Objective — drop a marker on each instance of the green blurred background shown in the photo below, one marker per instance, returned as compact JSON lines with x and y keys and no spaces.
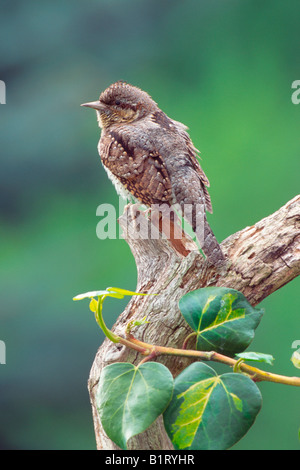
{"x":225,"y":69}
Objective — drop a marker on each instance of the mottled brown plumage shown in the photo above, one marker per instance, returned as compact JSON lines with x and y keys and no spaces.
{"x":151,"y":157}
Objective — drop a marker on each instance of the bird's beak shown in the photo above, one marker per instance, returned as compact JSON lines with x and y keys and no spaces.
{"x":94,"y":105}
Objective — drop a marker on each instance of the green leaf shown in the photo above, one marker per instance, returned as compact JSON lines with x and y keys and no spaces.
{"x":89,"y":295}
{"x":96,"y":305}
{"x":210,"y":411}
{"x":143,"y":321}
{"x":108,"y":292}
{"x":296,"y":359}
{"x":123,"y":292}
{"x":256,"y":357}
{"x":93,"y":305}
{"x":223,"y":319}
{"x":134,"y":323}
{"x":130,"y":398}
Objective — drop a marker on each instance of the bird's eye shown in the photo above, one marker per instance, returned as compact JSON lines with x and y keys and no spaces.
{"x":117,"y":102}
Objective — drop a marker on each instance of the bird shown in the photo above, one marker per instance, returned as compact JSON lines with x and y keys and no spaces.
{"x":151,"y":158}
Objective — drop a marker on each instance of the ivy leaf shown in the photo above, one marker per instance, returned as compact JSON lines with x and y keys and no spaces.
{"x":96,"y":305}
{"x":296,"y":359}
{"x":223,"y":319}
{"x":123,"y":292}
{"x":134,"y":323}
{"x":210,"y":411}
{"x":143,"y":321}
{"x":91,"y":294}
{"x":130,"y":398}
{"x":256,"y":357}
{"x":108,"y":292}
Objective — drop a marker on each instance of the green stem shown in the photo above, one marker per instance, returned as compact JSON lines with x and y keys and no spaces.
{"x":256,"y":374}
{"x":184,"y":345}
{"x":152,"y":355}
{"x":99,"y":319}
{"x":236,"y":367}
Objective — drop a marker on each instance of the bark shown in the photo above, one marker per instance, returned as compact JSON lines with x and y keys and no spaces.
{"x":261,"y":259}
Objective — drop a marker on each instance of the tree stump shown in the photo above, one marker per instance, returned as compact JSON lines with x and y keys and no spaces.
{"x":261,"y":259}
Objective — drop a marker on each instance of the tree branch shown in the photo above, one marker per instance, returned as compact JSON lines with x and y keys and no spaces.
{"x":261,"y":259}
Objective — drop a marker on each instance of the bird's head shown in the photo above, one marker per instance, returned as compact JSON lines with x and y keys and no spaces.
{"x":122,"y":103}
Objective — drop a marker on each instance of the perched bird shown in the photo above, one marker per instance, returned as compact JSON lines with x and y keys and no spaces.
{"x":151,"y":157}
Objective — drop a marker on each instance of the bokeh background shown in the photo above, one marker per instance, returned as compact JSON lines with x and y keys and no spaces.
{"x":223,"y":68}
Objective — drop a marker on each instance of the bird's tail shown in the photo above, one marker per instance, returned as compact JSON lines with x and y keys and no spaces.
{"x":211,"y":247}
{"x":196,"y":217}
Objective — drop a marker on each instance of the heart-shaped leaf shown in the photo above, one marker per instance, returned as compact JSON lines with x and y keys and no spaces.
{"x":256,"y":357}
{"x":296,"y":359}
{"x":130,"y":398}
{"x":210,"y":411}
{"x":223,"y":319}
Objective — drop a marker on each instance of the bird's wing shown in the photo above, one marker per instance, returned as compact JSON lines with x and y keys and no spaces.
{"x":192,"y":153}
{"x":203,"y":178}
{"x":168,"y":124}
{"x":140,"y":171}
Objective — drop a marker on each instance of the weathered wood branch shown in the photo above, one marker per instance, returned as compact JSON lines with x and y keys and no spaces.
{"x":261,"y":259}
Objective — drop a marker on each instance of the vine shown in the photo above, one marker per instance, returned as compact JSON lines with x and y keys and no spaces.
{"x":201,"y":409}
